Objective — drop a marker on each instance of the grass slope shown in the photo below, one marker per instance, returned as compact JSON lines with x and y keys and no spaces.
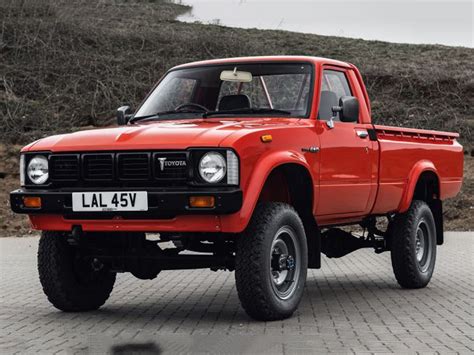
{"x":68,"y":64}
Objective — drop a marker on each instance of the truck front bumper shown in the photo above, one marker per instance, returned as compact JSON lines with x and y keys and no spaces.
{"x":162,"y":204}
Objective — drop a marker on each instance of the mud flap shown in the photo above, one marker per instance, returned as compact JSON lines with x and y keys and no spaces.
{"x":436,"y":207}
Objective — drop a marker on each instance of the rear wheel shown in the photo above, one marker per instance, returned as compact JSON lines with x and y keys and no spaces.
{"x":271,"y":262}
{"x":413,"y":246}
{"x":71,"y":282}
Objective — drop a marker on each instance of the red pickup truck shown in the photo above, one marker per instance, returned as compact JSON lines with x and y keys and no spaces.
{"x":252,"y":164}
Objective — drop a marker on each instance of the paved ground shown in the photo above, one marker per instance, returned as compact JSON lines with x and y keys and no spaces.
{"x":352,"y":304}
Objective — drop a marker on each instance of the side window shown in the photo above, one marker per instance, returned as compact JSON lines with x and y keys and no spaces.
{"x":334,"y":86}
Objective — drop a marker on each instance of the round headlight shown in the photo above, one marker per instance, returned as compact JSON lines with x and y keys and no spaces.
{"x":212,"y":167}
{"x":37,"y":170}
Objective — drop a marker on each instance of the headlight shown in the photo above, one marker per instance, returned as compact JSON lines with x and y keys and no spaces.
{"x":212,"y":167}
{"x":37,"y":170}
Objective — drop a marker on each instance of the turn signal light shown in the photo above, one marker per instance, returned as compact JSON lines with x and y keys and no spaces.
{"x":202,"y":201}
{"x":32,"y":202}
{"x":267,"y":138}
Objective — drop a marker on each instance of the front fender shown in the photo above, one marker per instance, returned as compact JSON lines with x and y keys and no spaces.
{"x":419,"y":168}
{"x":263,"y":167}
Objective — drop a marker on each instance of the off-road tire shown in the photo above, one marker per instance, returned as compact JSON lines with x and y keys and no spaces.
{"x":409,"y":271}
{"x":253,"y":262}
{"x":67,"y":288}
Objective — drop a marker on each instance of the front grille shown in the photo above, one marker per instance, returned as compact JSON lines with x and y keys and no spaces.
{"x":134,"y":166}
{"x":64,"y":167}
{"x":120,"y":169}
{"x":98,"y":167}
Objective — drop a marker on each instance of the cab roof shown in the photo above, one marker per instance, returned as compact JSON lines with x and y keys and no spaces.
{"x":265,"y":59}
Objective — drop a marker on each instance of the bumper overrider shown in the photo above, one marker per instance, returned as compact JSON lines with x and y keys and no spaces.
{"x":162,"y":204}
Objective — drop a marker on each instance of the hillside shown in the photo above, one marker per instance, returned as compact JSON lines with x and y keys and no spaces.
{"x":66,"y":65}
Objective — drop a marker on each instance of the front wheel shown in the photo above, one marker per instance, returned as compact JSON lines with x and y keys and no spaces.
{"x":70,"y":281}
{"x":271,"y":262}
{"x":413,"y":246}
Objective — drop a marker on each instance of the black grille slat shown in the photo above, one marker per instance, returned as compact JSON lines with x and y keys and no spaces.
{"x":134,"y":166}
{"x":64,"y":167}
{"x":98,"y":167}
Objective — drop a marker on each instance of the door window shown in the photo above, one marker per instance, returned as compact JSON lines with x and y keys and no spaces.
{"x":334,"y":86}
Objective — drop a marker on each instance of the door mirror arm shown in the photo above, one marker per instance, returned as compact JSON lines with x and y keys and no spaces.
{"x":335,"y":111}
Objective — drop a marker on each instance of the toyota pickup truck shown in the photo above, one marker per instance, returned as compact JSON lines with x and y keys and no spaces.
{"x":250,"y":165}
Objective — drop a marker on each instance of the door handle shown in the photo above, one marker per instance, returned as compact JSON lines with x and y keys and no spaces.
{"x":310,"y":150}
{"x":362,"y":134}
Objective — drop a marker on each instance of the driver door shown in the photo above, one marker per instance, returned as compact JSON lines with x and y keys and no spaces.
{"x":346,"y":153}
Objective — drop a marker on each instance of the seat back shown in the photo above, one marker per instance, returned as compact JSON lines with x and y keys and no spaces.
{"x":234,"y":102}
{"x":328,"y":100}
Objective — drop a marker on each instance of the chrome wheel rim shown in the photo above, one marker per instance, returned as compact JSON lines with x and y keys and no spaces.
{"x":285,"y":259}
{"x":423,"y":245}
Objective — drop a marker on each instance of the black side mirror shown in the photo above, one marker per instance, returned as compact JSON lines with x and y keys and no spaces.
{"x":123,"y":115}
{"x":349,"y":111}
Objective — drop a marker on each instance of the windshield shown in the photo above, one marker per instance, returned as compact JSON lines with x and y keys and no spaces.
{"x":278,"y":89}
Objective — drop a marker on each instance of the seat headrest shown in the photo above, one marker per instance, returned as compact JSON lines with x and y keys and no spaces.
{"x":234,"y":102}
{"x":328,"y":100}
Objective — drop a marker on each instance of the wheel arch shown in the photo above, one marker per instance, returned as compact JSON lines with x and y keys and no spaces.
{"x":266,"y":168}
{"x":422,"y":172}
{"x":424,"y":184}
{"x":292,"y":183}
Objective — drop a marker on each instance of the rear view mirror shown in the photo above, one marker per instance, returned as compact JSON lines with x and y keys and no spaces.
{"x":123,"y":115}
{"x":236,"y":76}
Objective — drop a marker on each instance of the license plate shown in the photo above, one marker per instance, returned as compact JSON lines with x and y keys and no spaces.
{"x":109,"y":201}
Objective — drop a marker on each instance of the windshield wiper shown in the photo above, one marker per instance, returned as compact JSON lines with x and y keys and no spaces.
{"x":247,"y":110}
{"x":213,"y":113}
{"x":159,"y":114}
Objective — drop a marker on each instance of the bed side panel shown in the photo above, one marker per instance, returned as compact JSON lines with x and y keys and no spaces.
{"x":401,"y":151}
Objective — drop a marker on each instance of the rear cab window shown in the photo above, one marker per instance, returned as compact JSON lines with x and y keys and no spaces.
{"x":289,"y":92}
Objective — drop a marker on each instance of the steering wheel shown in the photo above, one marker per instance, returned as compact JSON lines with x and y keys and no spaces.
{"x":191,"y":105}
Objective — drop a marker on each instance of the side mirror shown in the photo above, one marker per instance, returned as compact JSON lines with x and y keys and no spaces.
{"x":349,"y":109}
{"x":123,"y":115}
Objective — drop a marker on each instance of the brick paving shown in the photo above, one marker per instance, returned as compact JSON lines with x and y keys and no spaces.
{"x":351,"y":305}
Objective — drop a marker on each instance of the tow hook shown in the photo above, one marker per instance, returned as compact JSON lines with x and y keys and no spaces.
{"x":281,"y":262}
{"x":76,"y":235}
{"x":97,"y":264}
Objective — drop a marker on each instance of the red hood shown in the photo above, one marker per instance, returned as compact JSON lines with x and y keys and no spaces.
{"x":176,"y":134}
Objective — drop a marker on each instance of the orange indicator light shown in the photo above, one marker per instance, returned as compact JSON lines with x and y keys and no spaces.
{"x":32,"y":202}
{"x":202,"y":201}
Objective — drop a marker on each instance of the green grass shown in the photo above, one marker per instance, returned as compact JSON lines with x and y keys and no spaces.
{"x":68,"y":64}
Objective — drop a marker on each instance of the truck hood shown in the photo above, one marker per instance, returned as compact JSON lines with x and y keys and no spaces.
{"x":175,"y":134}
